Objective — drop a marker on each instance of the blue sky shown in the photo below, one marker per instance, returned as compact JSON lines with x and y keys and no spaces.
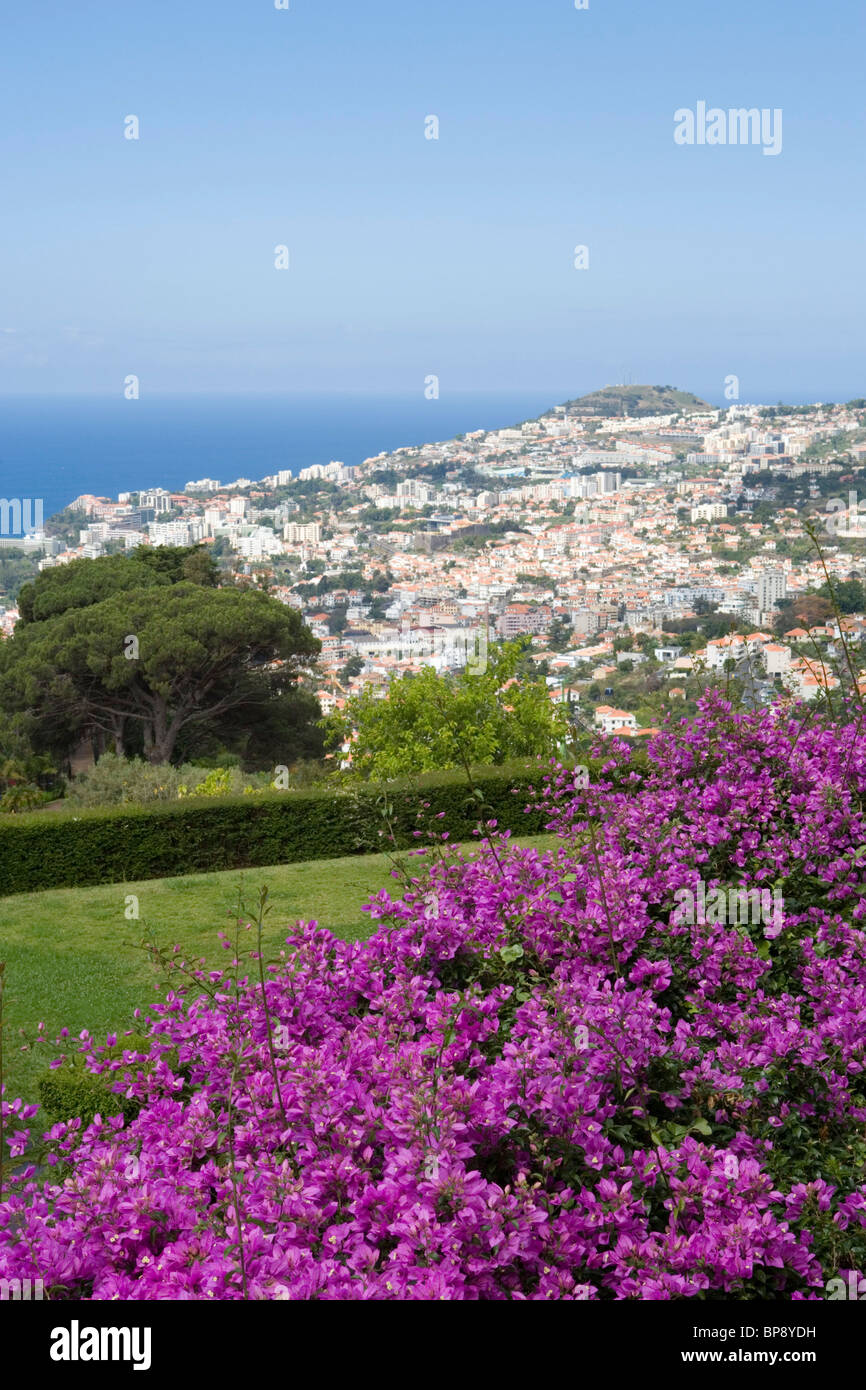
{"x":410,"y":256}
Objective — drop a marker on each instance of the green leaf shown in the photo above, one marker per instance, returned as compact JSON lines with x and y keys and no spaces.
{"x":511,"y":953}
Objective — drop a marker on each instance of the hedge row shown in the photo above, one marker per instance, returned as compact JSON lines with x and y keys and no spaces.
{"x":123,"y":844}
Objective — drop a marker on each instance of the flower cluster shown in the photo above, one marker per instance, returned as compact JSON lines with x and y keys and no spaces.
{"x":533,"y":1081}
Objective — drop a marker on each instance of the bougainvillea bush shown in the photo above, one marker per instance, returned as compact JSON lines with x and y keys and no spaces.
{"x":535,"y":1081}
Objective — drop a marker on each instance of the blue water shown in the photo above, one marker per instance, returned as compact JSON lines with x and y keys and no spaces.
{"x":57,"y":447}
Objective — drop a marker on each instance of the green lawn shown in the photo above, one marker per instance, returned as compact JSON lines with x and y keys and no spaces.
{"x":72,"y":957}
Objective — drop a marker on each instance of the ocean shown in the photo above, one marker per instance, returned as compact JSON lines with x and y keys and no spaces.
{"x":57,"y":447}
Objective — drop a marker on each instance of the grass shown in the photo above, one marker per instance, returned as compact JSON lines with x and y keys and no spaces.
{"x":73,"y":958}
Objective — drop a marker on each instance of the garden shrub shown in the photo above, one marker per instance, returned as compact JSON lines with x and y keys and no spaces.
{"x":201,"y":835}
{"x":118,"y":781}
{"x":72,"y":1091}
{"x":67,"y":1095}
{"x":22,"y":798}
{"x":537,"y":1080}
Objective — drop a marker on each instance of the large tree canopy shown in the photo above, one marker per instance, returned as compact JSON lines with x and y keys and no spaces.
{"x":143,"y":664}
{"x":84,"y":582}
{"x":81,"y":584}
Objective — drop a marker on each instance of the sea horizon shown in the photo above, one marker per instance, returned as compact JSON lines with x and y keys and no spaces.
{"x":56,"y":447}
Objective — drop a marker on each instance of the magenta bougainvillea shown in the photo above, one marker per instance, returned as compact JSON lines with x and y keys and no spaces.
{"x":537,"y":1080}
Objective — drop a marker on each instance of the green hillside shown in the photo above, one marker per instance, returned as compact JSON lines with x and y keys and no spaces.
{"x":636,"y":401}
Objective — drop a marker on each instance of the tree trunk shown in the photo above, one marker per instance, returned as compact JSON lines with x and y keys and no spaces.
{"x":161,"y":749}
{"x":163,"y":735}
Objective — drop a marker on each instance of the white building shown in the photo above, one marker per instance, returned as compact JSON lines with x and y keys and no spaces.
{"x":175,"y":533}
{"x":333,"y":472}
{"x":772,"y":585}
{"x":156,"y":497}
{"x":723,"y":649}
{"x":261,"y":543}
{"x":310,"y":534}
{"x":709,"y":511}
{"x":777,"y":657}
{"x":414,"y":493}
{"x":613,"y":721}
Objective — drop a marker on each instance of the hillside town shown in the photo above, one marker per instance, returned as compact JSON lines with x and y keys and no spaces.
{"x":638,"y":552}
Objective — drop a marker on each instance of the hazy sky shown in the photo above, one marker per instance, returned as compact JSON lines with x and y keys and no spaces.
{"x":411,"y":256}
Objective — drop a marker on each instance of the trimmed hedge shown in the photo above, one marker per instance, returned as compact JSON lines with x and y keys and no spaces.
{"x":129,"y":843}
{"x":71,"y":1092}
{"x":123,"y":844}
{"x":68,"y":1094}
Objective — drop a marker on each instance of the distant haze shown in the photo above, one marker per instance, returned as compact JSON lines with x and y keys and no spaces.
{"x":408,"y":256}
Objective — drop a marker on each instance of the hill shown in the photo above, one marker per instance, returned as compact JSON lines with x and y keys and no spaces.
{"x":636,"y":401}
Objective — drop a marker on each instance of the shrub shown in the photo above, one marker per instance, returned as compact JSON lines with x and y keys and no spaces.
{"x":217,"y":783}
{"x":73,"y":1092}
{"x":534,"y":1082}
{"x":203,"y":835}
{"x":117,"y":781}
{"x":67,"y":1095}
{"x":18,"y":799}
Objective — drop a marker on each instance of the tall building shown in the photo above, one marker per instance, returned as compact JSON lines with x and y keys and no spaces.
{"x":709,"y":511}
{"x":309,"y":534}
{"x":415,"y":491}
{"x":176,"y":533}
{"x":608,"y":481}
{"x":157,"y":498}
{"x":772,"y":586}
{"x":524,"y":617}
